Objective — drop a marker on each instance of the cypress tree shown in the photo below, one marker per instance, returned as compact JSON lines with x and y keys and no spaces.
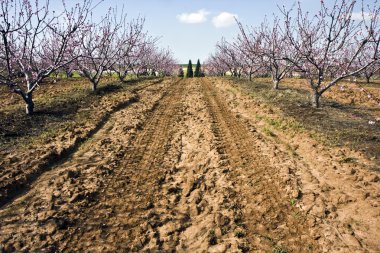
{"x":189,"y":73}
{"x":198,"y":70}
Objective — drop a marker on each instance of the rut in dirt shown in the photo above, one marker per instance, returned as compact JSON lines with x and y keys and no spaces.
{"x":13,"y":186}
{"x":176,"y":171}
{"x":269,"y":217}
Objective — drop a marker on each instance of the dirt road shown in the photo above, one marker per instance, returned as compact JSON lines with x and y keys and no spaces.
{"x":177,"y":171}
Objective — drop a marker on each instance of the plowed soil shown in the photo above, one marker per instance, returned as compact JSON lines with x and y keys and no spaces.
{"x":186,"y":167}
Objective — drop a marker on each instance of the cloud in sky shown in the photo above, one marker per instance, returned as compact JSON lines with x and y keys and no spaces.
{"x":194,"y":17}
{"x":224,"y":19}
{"x":359,"y":16}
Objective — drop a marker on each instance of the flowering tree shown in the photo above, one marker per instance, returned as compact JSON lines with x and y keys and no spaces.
{"x":34,"y":42}
{"x":274,"y":48}
{"x":331,"y":41}
{"x":69,"y":69}
{"x":130,"y":40}
{"x":143,"y":59}
{"x":230,"y":56}
{"x":99,"y":46}
{"x":215,"y":66}
{"x":371,"y":70}
{"x":249,"y":48}
{"x":164,"y":63}
{"x":362,"y":61}
{"x":152,"y":59}
{"x":181,"y":73}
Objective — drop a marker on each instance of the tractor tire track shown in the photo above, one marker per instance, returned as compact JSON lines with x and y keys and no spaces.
{"x":271,"y":220}
{"x":56,"y":209}
{"x":176,"y":171}
{"x":139,"y":169}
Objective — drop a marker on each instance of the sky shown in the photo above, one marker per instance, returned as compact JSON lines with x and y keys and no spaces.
{"x":191,"y":28}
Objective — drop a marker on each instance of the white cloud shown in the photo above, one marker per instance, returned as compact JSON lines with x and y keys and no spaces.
{"x":194,"y":18}
{"x":359,"y":16}
{"x":224,"y":19}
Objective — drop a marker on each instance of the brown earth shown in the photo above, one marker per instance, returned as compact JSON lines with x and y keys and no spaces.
{"x":67,"y":115}
{"x":190,"y":166}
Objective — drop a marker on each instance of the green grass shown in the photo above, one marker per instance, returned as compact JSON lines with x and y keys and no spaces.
{"x":279,"y":249}
{"x":269,"y":132}
{"x":293,"y":202}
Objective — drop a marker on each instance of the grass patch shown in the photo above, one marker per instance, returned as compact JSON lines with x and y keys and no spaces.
{"x":293,"y":202}
{"x":278,"y":124}
{"x":268,"y":132}
{"x":279,"y":249}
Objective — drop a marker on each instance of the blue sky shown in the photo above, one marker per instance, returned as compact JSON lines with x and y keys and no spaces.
{"x":187,"y":27}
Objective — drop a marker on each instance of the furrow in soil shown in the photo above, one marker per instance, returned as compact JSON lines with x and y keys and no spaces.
{"x":272,"y":222}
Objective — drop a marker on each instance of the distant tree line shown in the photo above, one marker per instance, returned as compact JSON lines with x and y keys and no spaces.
{"x":189,"y":72}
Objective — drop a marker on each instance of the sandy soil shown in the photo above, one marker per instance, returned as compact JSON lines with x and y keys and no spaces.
{"x":54,"y":135}
{"x":333,"y":187}
{"x":186,"y":168}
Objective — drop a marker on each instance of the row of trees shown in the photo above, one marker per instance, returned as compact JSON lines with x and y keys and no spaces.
{"x":189,"y":72}
{"x":37,"y":41}
{"x":325,"y":48}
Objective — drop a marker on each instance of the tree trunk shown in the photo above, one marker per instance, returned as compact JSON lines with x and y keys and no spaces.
{"x":55,"y":77}
{"x":250,"y":76}
{"x":94,"y":85}
{"x":69,"y":74}
{"x":29,"y":107}
{"x":315,"y":99}
{"x":367,"y":78}
{"x":275,"y":84}
{"x":121,"y":77}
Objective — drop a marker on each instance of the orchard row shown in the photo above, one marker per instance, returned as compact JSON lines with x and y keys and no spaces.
{"x":325,"y":48}
{"x":37,"y":41}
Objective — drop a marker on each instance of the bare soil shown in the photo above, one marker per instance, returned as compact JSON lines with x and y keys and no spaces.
{"x":194,"y":165}
{"x":66,"y":115}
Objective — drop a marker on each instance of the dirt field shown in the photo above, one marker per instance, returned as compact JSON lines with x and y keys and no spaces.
{"x":190,"y":165}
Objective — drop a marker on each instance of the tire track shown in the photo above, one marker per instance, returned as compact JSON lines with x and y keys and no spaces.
{"x":198,"y":211}
{"x":13,"y":189}
{"x":63,"y":202}
{"x":139,"y":169}
{"x":177,"y":173}
{"x":273,"y":223}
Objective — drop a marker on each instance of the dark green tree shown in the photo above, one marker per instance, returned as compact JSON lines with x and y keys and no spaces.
{"x":190,"y":72}
{"x":198,"y":72}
